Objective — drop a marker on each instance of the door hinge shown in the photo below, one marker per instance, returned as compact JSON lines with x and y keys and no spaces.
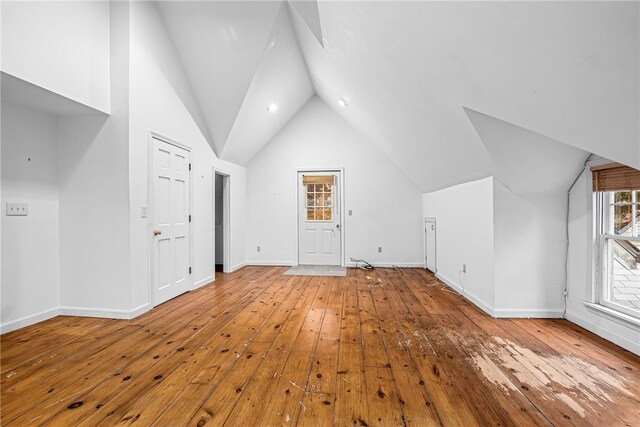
{"x":189,"y":166}
{"x":189,"y":218}
{"x":189,"y":270}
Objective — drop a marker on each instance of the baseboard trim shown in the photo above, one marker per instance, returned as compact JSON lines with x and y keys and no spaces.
{"x":237,"y":267}
{"x":203,"y":282}
{"x":25,"y":321}
{"x":527,"y":313}
{"x":270,"y":263}
{"x":388,"y":264}
{"x":627,"y":344}
{"x":105,"y":312}
{"x":470,"y":297}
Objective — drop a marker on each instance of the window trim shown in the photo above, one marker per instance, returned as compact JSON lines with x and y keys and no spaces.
{"x":612,"y":314}
{"x":601,"y":212}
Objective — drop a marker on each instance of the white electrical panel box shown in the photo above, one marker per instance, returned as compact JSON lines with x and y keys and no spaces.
{"x":17,"y":209}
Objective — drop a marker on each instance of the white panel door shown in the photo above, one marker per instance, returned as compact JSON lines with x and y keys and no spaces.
{"x":430,"y":244}
{"x":170,"y":258}
{"x":320,"y":232}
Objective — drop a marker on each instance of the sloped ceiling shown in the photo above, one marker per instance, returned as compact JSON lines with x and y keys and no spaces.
{"x":220,"y":44}
{"x":527,"y":162}
{"x":307,"y":10}
{"x":281,"y":79}
{"x":565,"y":70}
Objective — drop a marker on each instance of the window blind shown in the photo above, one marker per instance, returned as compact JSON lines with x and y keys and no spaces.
{"x":615,"y":177}
{"x":318,"y":179}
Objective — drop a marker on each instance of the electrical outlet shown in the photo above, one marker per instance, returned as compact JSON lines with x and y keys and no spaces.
{"x":143,"y":212}
{"x":379,"y":249}
{"x":350,"y":212}
{"x":464,"y":268}
{"x":258,"y":249}
{"x":17,"y":209}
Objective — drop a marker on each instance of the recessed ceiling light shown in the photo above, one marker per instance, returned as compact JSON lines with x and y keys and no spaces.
{"x":272,"y":107}
{"x":342,"y":102}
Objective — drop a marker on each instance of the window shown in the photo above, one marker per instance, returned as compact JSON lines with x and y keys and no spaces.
{"x":319,"y":192}
{"x":618,"y":243}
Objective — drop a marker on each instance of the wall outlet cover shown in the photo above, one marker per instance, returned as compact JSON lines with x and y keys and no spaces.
{"x":17,"y":209}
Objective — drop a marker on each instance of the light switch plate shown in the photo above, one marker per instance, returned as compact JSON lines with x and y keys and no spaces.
{"x":17,"y":209}
{"x":143,"y":212}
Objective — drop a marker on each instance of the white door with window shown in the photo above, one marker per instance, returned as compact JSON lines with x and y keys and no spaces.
{"x":320,"y":230}
{"x":170,"y":216}
{"x":430,"y":244}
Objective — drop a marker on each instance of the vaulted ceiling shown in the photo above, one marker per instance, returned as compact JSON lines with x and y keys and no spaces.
{"x":447,"y":91}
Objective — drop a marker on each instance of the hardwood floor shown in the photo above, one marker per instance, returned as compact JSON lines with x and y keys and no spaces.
{"x":385,"y":347}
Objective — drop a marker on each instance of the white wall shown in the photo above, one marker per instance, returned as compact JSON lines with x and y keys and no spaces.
{"x":529,"y":252}
{"x":158,"y":87}
{"x":60,"y":46}
{"x":30,"y":256}
{"x":464,"y":235}
{"x":386,"y":206}
{"x":580,"y":272}
{"x":94,"y":187}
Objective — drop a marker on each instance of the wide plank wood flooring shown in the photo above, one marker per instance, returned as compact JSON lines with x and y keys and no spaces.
{"x":383,"y":347}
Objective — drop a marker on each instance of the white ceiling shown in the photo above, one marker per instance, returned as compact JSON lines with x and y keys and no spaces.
{"x":21,"y":92}
{"x":220,"y":44}
{"x":566,"y":70}
{"x":527,"y":162}
{"x":281,"y":79}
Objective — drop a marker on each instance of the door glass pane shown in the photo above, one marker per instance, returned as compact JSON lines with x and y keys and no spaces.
{"x":319,"y":198}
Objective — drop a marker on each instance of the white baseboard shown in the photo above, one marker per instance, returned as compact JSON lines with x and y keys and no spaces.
{"x":105,"y":312}
{"x":201,"y":283}
{"x":28,"y":320}
{"x":271,"y":263}
{"x":236,"y":267}
{"x":627,"y":344}
{"x":527,"y":313}
{"x":388,"y":264}
{"x":474,"y":300}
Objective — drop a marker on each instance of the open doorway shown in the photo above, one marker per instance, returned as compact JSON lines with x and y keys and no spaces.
{"x":430,"y":244}
{"x":222,"y":235}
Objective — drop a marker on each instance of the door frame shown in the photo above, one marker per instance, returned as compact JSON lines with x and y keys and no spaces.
{"x":151,"y":136}
{"x":226,"y":221}
{"x":296,"y":242}
{"x":430,"y":220}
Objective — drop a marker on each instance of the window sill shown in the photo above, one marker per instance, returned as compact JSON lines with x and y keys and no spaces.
{"x":612,"y":314}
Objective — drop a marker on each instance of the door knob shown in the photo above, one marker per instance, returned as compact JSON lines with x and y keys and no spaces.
{"x":157,"y":232}
{"x":338,"y":226}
